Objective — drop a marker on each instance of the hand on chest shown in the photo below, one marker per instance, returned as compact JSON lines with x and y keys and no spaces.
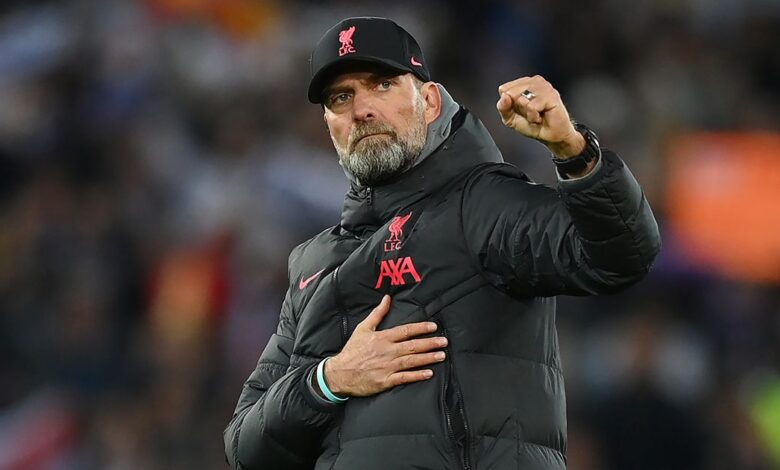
{"x":418,"y":257}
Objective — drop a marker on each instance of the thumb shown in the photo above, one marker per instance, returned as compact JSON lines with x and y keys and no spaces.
{"x":504,"y":107}
{"x":376,"y":316}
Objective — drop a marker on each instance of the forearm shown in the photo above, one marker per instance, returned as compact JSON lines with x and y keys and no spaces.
{"x":614,"y":224}
{"x":282,"y":428}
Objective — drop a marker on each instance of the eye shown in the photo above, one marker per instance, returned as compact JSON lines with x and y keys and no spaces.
{"x":385,"y":84}
{"x":339,"y":98}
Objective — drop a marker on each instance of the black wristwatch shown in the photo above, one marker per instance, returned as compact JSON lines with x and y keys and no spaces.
{"x":592,"y":151}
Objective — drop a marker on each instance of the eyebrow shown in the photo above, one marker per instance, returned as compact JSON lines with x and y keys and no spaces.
{"x":372,"y":78}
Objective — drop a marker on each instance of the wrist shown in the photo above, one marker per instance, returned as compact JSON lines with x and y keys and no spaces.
{"x":569,"y":147}
{"x":330,"y":376}
{"x":579,"y":164}
{"x":323,"y":385}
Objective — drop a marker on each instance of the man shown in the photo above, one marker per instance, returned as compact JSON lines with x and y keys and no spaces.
{"x":458,"y":364}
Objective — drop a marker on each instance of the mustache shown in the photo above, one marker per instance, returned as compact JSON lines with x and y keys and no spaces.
{"x":367,"y":129}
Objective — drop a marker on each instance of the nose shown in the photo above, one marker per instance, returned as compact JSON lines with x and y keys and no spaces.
{"x":363,"y":107}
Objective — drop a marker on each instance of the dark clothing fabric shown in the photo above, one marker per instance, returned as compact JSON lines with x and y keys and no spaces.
{"x":480,"y":250}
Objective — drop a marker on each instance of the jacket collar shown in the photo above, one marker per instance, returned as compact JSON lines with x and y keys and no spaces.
{"x":469,"y":144}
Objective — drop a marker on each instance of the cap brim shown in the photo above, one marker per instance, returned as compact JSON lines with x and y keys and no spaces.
{"x":323,"y":77}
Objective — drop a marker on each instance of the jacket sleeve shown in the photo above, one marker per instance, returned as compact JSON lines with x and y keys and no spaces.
{"x":594,"y":235}
{"x":278,"y":422}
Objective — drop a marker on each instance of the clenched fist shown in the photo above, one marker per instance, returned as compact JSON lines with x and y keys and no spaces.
{"x":532,"y":107}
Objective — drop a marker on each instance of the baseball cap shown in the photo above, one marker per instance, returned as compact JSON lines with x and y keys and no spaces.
{"x":371,"y":40}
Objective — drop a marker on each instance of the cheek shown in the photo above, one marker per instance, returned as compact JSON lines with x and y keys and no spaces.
{"x":408,"y":119}
{"x":339,"y":131}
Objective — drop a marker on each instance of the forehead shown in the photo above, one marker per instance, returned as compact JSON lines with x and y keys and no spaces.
{"x":350,"y":79}
{"x":360,"y":72}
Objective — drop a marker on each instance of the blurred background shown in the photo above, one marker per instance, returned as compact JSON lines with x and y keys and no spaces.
{"x":158,"y":160}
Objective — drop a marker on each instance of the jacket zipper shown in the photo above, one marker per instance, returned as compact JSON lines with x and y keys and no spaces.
{"x":344,"y":338}
{"x":344,"y":320}
{"x":460,"y":415}
{"x":466,"y":438}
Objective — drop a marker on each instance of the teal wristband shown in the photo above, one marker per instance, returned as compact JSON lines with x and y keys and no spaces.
{"x":324,"y":387}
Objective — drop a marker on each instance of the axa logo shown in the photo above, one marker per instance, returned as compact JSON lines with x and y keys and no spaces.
{"x":396,"y":229}
{"x":397,"y":271}
{"x":345,"y":38}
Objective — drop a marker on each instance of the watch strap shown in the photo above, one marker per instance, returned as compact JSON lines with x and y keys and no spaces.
{"x":578,"y":163}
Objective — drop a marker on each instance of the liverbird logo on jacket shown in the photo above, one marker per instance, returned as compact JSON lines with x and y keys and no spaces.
{"x":396,"y":229}
{"x":345,"y":38}
{"x":396,"y":269}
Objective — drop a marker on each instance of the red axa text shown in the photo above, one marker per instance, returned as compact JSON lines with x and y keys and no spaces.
{"x":396,"y":270}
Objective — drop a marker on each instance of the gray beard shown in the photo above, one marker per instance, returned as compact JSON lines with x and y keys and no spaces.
{"x":376,"y":159}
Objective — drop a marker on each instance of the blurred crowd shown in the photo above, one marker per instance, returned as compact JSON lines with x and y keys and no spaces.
{"x":158,"y":160}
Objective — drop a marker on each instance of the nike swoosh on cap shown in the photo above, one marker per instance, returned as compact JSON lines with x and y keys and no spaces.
{"x":415,"y":62}
{"x":305,"y":282}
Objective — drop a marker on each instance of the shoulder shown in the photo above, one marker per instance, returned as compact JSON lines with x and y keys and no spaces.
{"x":501,"y":183}
{"x":305,"y":257}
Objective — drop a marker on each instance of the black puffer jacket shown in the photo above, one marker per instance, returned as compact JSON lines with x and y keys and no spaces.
{"x":467,"y":241}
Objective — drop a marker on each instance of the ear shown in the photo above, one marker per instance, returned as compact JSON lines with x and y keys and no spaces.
{"x":325,"y":112}
{"x":432,"y":98}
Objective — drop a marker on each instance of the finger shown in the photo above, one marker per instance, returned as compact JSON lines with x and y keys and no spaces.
{"x":414,"y":346}
{"x":518,"y":82}
{"x":533,"y":116}
{"x":516,"y":89}
{"x":517,"y":112}
{"x":538,"y":86}
{"x":413,"y":361}
{"x":406,"y":377}
{"x":537,"y":83}
{"x":504,"y":107}
{"x":372,"y":321}
{"x":409,"y":330}
{"x":533,"y":109}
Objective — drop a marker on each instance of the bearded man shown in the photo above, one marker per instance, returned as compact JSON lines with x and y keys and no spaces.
{"x":419,"y":332}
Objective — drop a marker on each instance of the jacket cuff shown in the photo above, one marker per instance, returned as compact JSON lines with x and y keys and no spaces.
{"x":571,"y":185}
{"x":563,"y":179}
{"x":312,"y":397}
